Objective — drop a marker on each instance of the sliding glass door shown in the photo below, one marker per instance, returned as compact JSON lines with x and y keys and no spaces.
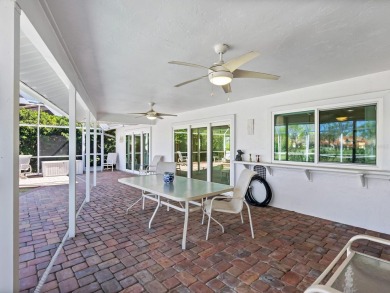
{"x":137,"y":150}
{"x":203,"y":152}
{"x":221,"y":154}
{"x":180,"y":151}
{"x":199,"y":153}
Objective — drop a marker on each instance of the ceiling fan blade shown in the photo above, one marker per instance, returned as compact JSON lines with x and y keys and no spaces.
{"x":237,"y":62}
{"x":140,"y":116}
{"x":238,"y":73}
{"x":187,"y":64}
{"x":188,"y":81}
{"x":163,"y":114}
{"x":227,"y":88}
{"x":158,"y":117}
{"x":143,"y":114}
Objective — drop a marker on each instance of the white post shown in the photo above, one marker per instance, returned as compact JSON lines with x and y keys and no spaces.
{"x":102,"y":150}
{"x":307,"y":147}
{"x":88,"y":158}
{"x":94,"y":152}
{"x":9,"y":145}
{"x":72,"y":161}
{"x":341,"y":148}
{"x":39,"y":139}
{"x":83,"y":146}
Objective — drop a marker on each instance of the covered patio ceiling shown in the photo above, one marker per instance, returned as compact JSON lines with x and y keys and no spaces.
{"x":121,"y":49}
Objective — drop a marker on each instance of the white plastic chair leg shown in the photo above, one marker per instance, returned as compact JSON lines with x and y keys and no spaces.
{"x":208,"y":227}
{"x":203,"y":217}
{"x":242,"y":219}
{"x":143,"y":202}
{"x":250,"y":220}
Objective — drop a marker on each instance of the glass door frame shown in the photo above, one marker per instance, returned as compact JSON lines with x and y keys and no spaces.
{"x":133,"y":133}
{"x":229,"y":120}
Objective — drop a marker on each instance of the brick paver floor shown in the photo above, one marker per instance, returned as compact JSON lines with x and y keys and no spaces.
{"x":115,"y":252}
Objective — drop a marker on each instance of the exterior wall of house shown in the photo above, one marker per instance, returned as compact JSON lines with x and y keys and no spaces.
{"x":337,"y":197}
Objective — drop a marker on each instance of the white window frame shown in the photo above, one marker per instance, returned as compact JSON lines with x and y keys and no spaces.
{"x":208,"y":123}
{"x":331,"y":106}
{"x":141,"y":132}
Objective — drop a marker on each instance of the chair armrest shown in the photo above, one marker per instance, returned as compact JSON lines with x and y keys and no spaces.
{"x":320,"y":289}
{"x":223,"y":197}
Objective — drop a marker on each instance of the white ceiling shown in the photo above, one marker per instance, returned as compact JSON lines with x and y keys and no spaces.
{"x":121,"y":48}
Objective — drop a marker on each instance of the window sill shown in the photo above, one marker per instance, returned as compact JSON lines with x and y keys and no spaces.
{"x":362,"y":174}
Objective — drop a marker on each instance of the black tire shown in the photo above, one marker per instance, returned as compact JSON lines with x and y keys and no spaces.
{"x":249,"y":197}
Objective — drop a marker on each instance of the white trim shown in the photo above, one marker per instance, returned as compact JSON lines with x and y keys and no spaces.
{"x":72,"y":161}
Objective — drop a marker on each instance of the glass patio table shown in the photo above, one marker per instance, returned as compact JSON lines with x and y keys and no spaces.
{"x":182,"y":190}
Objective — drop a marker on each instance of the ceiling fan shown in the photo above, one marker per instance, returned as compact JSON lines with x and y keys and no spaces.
{"x":151,"y":114}
{"x":221,"y":73}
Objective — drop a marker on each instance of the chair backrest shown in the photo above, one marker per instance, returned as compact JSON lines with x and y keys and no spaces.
{"x":166,"y":167}
{"x":243,"y":182}
{"x":240,"y":188}
{"x":111,"y":158}
{"x":180,"y":156}
{"x":24,"y":159}
{"x":156,"y":160}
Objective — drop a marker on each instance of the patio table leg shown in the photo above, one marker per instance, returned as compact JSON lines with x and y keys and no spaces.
{"x":183,"y":244}
{"x":155,"y":211}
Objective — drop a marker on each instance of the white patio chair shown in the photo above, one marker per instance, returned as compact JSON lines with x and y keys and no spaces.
{"x":24,"y":165}
{"x":182,"y":160}
{"x":160,"y":169}
{"x":151,"y":169}
{"x":233,"y":204}
{"x":110,"y":161}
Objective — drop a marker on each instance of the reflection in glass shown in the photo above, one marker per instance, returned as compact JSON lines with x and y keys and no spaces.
{"x":180,"y":149}
{"x":199,"y":153}
{"x":146,"y":149}
{"x":129,"y":152}
{"x":348,"y":135}
{"x":294,"y":137}
{"x":221,"y":154}
{"x":137,"y":151}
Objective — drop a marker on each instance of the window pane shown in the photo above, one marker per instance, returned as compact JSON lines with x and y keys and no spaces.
{"x":199,"y":153}
{"x":137,"y":151}
{"x":348,"y":135}
{"x":294,"y":137}
{"x":221,"y":154}
{"x":146,"y":149}
{"x":180,"y":137}
{"x":129,"y":151}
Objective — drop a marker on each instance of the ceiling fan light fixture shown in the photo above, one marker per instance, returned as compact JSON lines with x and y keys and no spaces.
{"x":151,"y":117}
{"x":220,"y":77}
{"x":342,"y":118}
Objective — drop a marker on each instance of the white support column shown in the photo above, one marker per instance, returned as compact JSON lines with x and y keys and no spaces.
{"x":102,"y":149}
{"x":83,"y":146}
{"x":94,"y":152}
{"x":72,"y":161}
{"x":39,"y":140}
{"x":9,"y":145}
{"x":88,"y":158}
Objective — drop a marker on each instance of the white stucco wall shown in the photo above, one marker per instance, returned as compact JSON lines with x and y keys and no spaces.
{"x":330,"y":196}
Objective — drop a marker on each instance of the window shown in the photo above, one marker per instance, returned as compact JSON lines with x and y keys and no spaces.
{"x":348,"y":135}
{"x":180,"y":149}
{"x":345,"y":135}
{"x":294,"y":137}
{"x":202,"y":149}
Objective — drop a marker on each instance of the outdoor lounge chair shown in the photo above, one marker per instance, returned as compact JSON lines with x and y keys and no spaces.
{"x":110,"y":161}
{"x":359,"y":272}
{"x":24,"y":165}
{"x":233,"y":204}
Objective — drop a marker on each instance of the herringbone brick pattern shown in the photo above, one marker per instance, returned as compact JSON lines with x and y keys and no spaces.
{"x":115,"y":252}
